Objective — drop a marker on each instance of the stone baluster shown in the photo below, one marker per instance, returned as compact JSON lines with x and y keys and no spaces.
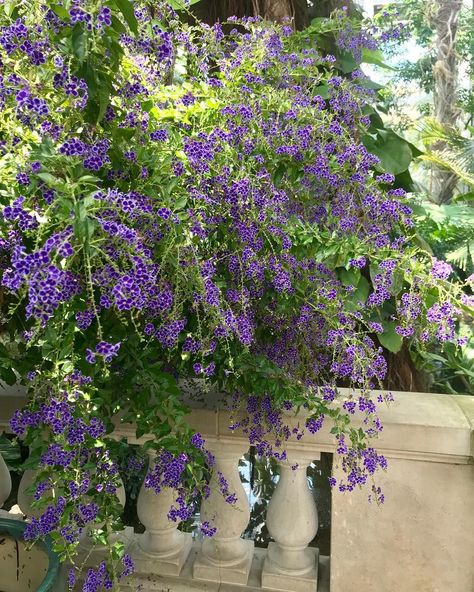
{"x":25,"y":499}
{"x":162,"y":548}
{"x":292,"y":521}
{"x":5,"y":482}
{"x":225,"y":557}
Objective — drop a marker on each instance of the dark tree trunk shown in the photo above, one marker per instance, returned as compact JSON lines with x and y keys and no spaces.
{"x":403,"y":375}
{"x":212,"y":11}
{"x":325,"y":7}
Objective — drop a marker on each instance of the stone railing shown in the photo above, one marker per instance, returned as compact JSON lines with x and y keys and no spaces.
{"x":420,"y":540}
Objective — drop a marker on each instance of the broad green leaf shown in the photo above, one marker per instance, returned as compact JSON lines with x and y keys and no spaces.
{"x":322,"y":90}
{"x":117,"y":25}
{"x":394,"y":152}
{"x":181,"y":4}
{"x":60,"y":11}
{"x":359,"y":295}
{"x":79,"y":40}
{"x":349,"y":277}
{"x":7,"y":375}
{"x":9,"y":7}
{"x":374,"y":56}
{"x":47,"y":178}
{"x":389,"y":338}
{"x":347,"y":62}
{"x":126,"y":8}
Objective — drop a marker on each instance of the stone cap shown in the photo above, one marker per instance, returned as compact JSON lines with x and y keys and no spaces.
{"x":420,"y":426}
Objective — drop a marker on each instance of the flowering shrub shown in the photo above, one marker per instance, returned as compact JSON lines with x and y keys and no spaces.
{"x":183,"y":202}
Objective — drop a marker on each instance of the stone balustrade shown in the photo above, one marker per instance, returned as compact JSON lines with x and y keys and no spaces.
{"x":420,"y":540}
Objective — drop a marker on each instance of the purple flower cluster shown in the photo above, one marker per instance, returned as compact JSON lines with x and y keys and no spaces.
{"x":104,"y":349}
{"x":235,"y":228}
{"x":94,"y":156}
{"x":16,"y":38}
{"x":48,"y":285}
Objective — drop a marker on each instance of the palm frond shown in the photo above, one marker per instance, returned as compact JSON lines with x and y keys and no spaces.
{"x":447,"y":148}
{"x":448,"y":160}
{"x":462,"y":256}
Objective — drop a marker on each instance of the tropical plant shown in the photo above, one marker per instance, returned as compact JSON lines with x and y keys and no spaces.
{"x":180,"y":202}
{"x":448,"y":149}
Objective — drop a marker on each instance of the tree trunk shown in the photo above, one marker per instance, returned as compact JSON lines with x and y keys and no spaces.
{"x":403,"y":375}
{"x":445,"y":77}
{"x":212,"y":11}
{"x":323,"y":8}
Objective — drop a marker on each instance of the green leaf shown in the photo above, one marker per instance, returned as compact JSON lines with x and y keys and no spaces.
{"x":469,"y":196}
{"x":11,"y":452}
{"x":394,"y":152}
{"x":389,"y":339}
{"x":9,"y":7}
{"x":117,"y":25}
{"x":7,"y":375}
{"x":181,"y":4}
{"x":359,"y":295}
{"x":374,"y":56}
{"x":79,"y":40}
{"x":47,"y":178}
{"x":322,"y":90}
{"x":60,"y":11}
{"x":349,"y":277}
{"x":347,"y":62}
{"x":126,"y":8}
{"x":180,"y":203}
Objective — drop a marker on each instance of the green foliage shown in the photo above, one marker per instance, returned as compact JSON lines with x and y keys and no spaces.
{"x":449,"y":229}
{"x":11,"y":453}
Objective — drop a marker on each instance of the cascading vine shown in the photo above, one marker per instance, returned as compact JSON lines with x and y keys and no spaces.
{"x":180,"y":201}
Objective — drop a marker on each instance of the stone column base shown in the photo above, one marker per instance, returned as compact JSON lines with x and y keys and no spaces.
{"x":237,"y":573}
{"x":166,"y":564}
{"x":275,"y":579}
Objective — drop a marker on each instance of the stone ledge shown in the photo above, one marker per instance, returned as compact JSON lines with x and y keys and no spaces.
{"x":417,"y":426}
{"x":186,"y":583}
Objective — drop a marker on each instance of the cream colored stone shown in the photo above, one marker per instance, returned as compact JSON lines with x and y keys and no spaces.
{"x":186,"y":583}
{"x":209,"y":567}
{"x":292,"y":521}
{"x":225,"y":557}
{"x":420,"y":540}
{"x":26,"y":499}
{"x":274,"y":579}
{"x":162,"y":549}
{"x":5,"y":482}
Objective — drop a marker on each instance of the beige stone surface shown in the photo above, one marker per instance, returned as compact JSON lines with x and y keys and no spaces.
{"x":417,"y":425}
{"x":420,"y":540}
{"x":186,"y":583}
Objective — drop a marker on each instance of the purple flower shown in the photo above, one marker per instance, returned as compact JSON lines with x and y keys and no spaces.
{"x":160,"y":135}
{"x":107,"y":350}
{"x":440,"y":269}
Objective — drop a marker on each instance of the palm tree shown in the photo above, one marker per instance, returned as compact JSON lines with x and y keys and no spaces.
{"x":449,"y":150}
{"x":445,"y":75}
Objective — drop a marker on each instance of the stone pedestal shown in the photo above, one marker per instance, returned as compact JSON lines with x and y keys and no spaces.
{"x":274,"y":578}
{"x":162,"y":548}
{"x":292,"y":521}
{"x":225,"y":557}
{"x":5,"y":482}
{"x":166,"y":563}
